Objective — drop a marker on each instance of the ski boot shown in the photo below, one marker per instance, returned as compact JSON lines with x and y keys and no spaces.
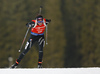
{"x":15,"y":65}
{"x":40,"y":66}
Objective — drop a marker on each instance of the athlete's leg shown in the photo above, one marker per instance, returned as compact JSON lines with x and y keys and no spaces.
{"x":28,"y":45}
{"x":41,"y":45}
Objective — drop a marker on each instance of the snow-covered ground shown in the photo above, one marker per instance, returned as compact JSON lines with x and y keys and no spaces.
{"x":50,"y":71}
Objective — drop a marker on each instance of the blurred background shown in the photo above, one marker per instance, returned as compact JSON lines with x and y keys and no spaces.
{"x":73,"y":34}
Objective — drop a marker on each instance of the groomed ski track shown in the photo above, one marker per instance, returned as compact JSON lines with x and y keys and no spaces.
{"x":50,"y":71}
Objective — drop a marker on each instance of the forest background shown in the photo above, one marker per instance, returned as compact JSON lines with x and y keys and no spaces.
{"x":73,"y":34}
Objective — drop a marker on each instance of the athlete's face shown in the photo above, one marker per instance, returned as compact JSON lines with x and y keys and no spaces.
{"x":40,"y":22}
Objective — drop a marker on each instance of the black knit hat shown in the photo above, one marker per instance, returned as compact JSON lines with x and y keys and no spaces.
{"x":39,"y":17}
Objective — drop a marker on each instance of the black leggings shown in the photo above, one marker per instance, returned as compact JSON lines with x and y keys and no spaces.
{"x":30,"y":42}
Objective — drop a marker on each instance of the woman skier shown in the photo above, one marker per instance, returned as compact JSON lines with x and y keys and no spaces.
{"x":37,"y":34}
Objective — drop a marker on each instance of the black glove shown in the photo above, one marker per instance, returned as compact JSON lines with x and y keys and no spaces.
{"x":28,"y":25}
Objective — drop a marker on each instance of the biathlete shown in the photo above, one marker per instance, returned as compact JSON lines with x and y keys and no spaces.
{"x":37,"y":34}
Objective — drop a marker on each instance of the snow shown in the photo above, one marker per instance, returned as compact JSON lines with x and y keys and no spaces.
{"x":50,"y":71}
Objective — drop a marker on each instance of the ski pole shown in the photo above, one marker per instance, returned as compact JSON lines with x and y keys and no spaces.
{"x":46,"y":34}
{"x":40,"y":10}
{"x":24,"y":39}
